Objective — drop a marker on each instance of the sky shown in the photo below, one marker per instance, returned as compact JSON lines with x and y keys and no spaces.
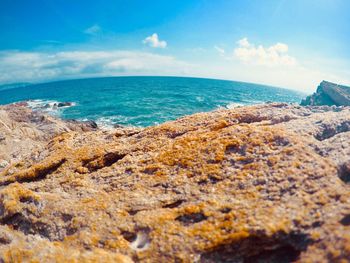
{"x":292,"y":44}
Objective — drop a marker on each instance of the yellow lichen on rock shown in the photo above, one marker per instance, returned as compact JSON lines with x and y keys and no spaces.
{"x":230,"y":185}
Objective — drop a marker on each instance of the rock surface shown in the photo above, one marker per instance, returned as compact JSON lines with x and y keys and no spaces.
{"x":24,"y":133}
{"x":266,"y":183}
{"x":329,"y":94}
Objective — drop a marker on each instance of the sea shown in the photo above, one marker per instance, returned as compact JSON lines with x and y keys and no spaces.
{"x":141,"y":101}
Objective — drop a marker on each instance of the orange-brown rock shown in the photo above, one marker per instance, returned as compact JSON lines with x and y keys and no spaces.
{"x":267,"y":182}
{"x":24,"y":133}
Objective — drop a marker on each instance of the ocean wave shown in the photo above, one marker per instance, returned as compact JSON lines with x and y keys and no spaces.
{"x":112,"y":122}
{"x":233,"y":105}
{"x":52,"y":107}
{"x":200,"y":98}
{"x":105,"y":123}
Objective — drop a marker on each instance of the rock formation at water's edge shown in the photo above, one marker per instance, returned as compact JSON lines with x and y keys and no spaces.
{"x":329,"y":94}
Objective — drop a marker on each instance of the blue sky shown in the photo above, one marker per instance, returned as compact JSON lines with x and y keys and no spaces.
{"x":293,"y":44}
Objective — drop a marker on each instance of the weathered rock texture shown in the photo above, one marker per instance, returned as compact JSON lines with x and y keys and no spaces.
{"x":329,"y":94}
{"x":24,"y":133}
{"x":267,"y":183}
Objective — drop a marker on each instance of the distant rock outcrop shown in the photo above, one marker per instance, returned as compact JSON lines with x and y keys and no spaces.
{"x":329,"y":93}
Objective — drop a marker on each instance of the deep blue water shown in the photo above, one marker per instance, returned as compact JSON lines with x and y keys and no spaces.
{"x":144,"y":101}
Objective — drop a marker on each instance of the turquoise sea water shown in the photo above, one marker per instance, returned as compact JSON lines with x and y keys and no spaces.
{"x":143,"y":101}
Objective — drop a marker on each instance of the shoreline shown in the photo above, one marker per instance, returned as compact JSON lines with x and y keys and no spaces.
{"x":54,"y":108}
{"x":39,"y":124}
{"x":143,"y":102}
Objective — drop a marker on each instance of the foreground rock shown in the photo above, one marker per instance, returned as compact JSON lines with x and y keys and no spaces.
{"x":329,"y":94}
{"x":268,"y":183}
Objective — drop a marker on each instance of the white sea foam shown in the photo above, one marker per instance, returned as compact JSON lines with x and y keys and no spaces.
{"x":105,"y":123}
{"x":199,"y":98}
{"x":48,"y":106}
{"x":111,"y":122}
{"x":233,"y":105}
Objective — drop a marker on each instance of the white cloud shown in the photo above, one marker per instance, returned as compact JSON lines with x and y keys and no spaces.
{"x":243,"y":42}
{"x":196,"y":50}
{"x":275,"y":55}
{"x":42,"y":66}
{"x":18,"y":66}
{"x":93,"y":30}
{"x":220,"y":50}
{"x":153,"y":41}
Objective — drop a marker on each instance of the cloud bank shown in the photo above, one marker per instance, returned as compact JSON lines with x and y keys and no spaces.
{"x":273,"y":65}
{"x":153,"y":41}
{"x":42,"y":66}
{"x":267,"y":65}
{"x":275,"y":55}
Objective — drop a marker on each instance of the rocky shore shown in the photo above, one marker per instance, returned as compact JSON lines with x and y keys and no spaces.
{"x":329,"y":93}
{"x":265,"y":183}
{"x":24,"y":132}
